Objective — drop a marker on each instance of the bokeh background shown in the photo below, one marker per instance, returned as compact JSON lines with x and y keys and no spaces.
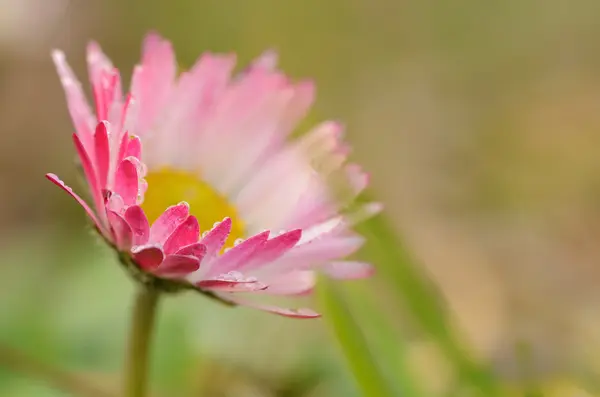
{"x":480,"y":123}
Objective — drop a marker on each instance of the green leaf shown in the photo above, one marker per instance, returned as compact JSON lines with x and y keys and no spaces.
{"x":359,"y":357}
{"x":387,"y":342}
{"x":417,"y":293}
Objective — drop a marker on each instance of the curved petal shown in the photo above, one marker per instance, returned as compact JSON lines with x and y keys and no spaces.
{"x":348,"y":270}
{"x":147,"y":257}
{"x":123,"y":236}
{"x":168,"y":221}
{"x":185,"y":234}
{"x":138,"y":222}
{"x":177,"y":266}
{"x":56,"y":180}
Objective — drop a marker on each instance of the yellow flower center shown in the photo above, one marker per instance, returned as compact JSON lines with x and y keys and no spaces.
{"x":168,"y":187}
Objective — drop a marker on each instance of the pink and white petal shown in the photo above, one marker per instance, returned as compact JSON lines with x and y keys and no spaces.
{"x":363,"y":213}
{"x":56,"y":180}
{"x":138,"y":222}
{"x":147,"y":257}
{"x":177,"y":266}
{"x":357,"y":178}
{"x":315,"y":254}
{"x":267,"y":60}
{"x":168,"y":221}
{"x":127,"y":182}
{"x":153,"y":80}
{"x":231,"y":286}
{"x":326,"y":228}
{"x":273,"y":249}
{"x":302,"y":313}
{"x":79,"y":108}
{"x":216,"y":237}
{"x":122,"y":234}
{"x":235,"y":257}
{"x":185,"y":234}
{"x":102,"y":154}
{"x":293,"y":283}
{"x":197,"y":249}
{"x":348,"y":270}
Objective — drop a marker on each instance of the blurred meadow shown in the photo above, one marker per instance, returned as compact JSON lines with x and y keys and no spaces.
{"x":478,"y":122}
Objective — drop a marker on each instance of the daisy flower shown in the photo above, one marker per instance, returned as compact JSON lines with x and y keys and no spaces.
{"x":195,"y":181}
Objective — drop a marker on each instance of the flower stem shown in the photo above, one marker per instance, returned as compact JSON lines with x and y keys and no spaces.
{"x":144,"y":310}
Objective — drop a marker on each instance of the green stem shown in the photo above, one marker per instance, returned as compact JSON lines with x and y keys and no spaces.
{"x":144,"y":310}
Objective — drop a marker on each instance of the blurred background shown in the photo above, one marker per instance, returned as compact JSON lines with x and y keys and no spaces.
{"x":479,"y":122}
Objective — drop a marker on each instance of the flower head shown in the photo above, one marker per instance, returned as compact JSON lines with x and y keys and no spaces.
{"x":209,"y":150}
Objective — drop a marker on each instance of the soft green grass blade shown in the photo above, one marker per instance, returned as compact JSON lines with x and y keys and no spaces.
{"x":388,"y":343}
{"x":359,"y":357}
{"x":424,"y":303}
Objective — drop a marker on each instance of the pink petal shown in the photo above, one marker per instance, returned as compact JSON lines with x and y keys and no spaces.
{"x":101,"y":77}
{"x":302,"y":313}
{"x":177,"y":266}
{"x":267,"y":60}
{"x":127,"y":182}
{"x":357,"y":178}
{"x":114,"y":202}
{"x":197,"y":249}
{"x":293,"y":283}
{"x":123,"y":236}
{"x":273,"y":249}
{"x":134,"y":148}
{"x":235,"y":257}
{"x":216,"y":237}
{"x":348,"y":270}
{"x":316,"y":253}
{"x":168,"y":221}
{"x":79,"y":108}
{"x":102,"y":152}
{"x":138,"y":222}
{"x":89,"y":172}
{"x":54,"y":179}
{"x":185,"y":234}
{"x":122,"y":148}
{"x":231,"y":286}
{"x":152,"y":81}
{"x":147,"y":257}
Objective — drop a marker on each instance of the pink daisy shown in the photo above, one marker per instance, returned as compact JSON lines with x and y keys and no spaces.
{"x":209,"y":149}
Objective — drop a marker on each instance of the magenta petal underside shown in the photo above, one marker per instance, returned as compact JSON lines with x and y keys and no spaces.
{"x":272,"y":249}
{"x":127,"y":182}
{"x":185,"y":234}
{"x":122,"y":233}
{"x":197,"y":249}
{"x":102,"y":154}
{"x":147,"y":257}
{"x":216,"y":237}
{"x":56,"y":180}
{"x":231,"y":285}
{"x":138,"y":222}
{"x":236,"y":256}
{"x":168,"y":221}
{"x":177,"y":266}
{"x":89,"y":172}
